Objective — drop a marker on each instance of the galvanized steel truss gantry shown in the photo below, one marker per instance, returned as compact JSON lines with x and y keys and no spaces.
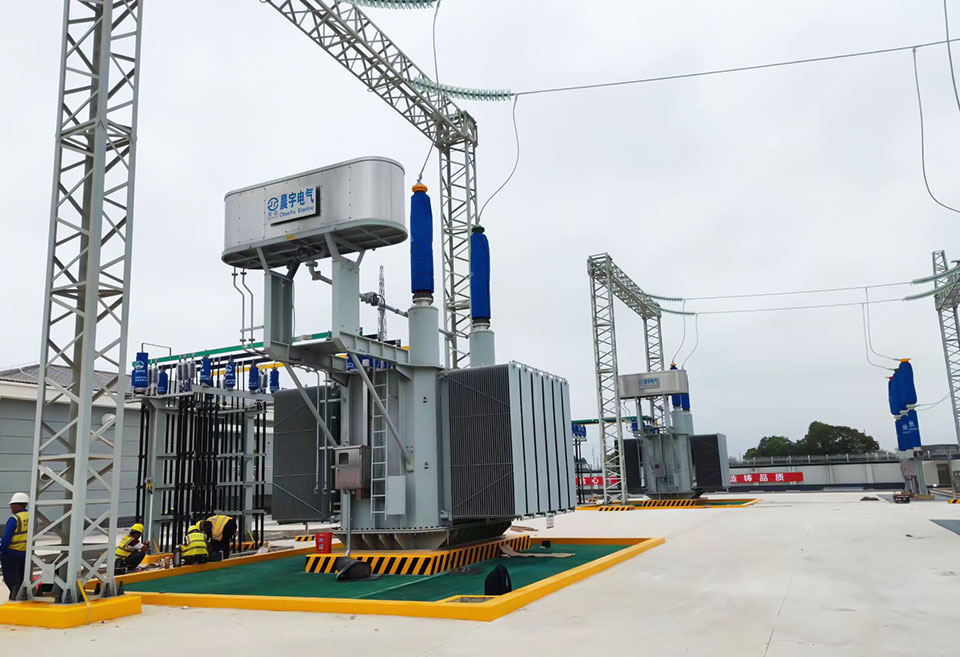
{"x":351,"y":38}
{"x":75,"y":482}
{"x":946,"y":304}
{"x":609,"y":282}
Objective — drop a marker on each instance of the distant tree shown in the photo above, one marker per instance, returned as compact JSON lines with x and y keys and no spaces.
{"x":825,"y":438}
{"x":772,"y":446}
{"x":821,"y":439}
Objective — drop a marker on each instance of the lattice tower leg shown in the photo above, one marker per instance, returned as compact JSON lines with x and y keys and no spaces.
{"x":653,"y":339}
{"x":608,"y":399}
{"x":458,"y":203}
{"x":75,"y":480}
{"x":946,"y":304}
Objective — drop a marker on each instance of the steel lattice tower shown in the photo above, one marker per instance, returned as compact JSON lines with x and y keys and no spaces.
{"x":607,"y":282}
{"x":75,"y":481}
{"x":946,"y":304}
{"x":609,"y":415}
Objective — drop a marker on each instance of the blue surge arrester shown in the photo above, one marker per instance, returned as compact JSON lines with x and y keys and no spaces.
{"x":141,"y":375}
{"x":253,"y":383}
{"x":421,"y":242}
{"x":206,"y":372}
{"x":274,"y":380}
{"x":479,"y":275}
{"x":230,"y":377}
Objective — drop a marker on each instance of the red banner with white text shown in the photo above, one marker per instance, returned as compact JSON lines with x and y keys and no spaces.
{"x":767,"y":478}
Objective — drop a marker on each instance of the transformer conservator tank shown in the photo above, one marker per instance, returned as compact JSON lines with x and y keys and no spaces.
{"x":358,"y":202}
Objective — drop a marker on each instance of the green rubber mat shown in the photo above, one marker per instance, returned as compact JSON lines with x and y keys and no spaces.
{"x":286,"y":577}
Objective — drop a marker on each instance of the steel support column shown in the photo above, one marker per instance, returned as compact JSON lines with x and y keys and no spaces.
{"x":458,"y":202}
{"x":653,"y":342}
{"x":609,"y":416}
{"x":75,"y":481}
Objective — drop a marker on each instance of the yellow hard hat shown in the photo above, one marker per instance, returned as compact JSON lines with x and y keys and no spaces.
{"x":138,"y":527}
{"x":194,"y":527}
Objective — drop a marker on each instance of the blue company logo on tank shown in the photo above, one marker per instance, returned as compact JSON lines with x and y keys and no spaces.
{"x":287,"y":204}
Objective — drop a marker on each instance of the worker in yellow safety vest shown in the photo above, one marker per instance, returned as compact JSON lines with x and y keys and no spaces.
{"x":131,"y":550}
{"x":13,"y":544}
{"x":220,"y":531}
{"x":194,"y":548}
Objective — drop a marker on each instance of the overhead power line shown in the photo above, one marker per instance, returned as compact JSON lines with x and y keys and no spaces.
{"x":923,"y":147}
{"x":953,"y":77}
{"x":736,"y":69}
{"x":769,"y":310}
{"x":778,"y":294}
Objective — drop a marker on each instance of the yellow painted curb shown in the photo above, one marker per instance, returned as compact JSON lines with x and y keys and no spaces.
{"x":701,"y":503}
{"x":45,"y":614}
{"x":488,"y":609}
{"x":421,"y":562}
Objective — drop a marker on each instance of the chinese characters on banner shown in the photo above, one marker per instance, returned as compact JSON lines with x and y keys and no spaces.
{"x":767,"y":478}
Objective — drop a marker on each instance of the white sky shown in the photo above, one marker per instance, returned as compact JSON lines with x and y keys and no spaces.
{"x":790,"y":178}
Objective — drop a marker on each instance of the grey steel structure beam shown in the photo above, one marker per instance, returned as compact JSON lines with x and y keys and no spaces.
{"x":75,"y":481}
{"x":609,"y":282}
{"x":350,"y":37}
{"x":946,"y":304}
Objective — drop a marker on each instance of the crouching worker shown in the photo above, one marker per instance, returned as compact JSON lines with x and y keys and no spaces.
{"x":194,"y":548}
{"x":220,"y":530}
{"x":131,"y":550}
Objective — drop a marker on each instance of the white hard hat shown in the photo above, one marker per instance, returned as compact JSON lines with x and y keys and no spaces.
{"x":19,"y":498}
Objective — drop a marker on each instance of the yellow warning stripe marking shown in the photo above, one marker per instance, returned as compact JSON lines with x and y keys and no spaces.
{"x":420,"y":564}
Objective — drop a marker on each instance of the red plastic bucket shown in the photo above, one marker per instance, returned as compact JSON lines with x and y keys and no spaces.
{"x":324,"y":542}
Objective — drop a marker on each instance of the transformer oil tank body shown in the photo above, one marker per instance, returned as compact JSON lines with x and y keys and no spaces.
{"x":359,"y":203}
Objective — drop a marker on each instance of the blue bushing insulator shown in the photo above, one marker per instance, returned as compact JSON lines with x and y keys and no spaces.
{"x":140,"y":379}
{"x":905,"y":386}
{"x":206,"y":372}
{"x":676,"y":401}
{"x":421,"y":242}
{"x":903,"y":437}
{"x":893,"y":395}
{"x":912,"y":428}
{"x":230,"y":376}
{"x":274,"y":380}
{"x":253,"y":383}
{"x":163,"y":383}
{"x":685,"y":401}
{"x":479,"y":275}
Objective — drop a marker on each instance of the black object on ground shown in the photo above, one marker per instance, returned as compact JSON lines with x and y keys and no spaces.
{"x":497,"y":582}
{"x":352,"y":570}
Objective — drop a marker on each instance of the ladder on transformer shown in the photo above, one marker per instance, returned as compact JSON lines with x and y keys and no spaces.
{"x":378,"y":444}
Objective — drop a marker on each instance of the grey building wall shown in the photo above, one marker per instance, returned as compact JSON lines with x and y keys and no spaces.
{"x":16,"y":448}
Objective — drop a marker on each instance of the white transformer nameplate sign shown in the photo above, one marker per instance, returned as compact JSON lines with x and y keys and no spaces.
{"x":653,"y":384}
{"x":284,"y":203}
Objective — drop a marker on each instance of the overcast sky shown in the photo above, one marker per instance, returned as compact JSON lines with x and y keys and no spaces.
{"x":789,"y":178}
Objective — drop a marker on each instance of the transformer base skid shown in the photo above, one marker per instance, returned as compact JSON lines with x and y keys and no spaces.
{"x":423,"y":539}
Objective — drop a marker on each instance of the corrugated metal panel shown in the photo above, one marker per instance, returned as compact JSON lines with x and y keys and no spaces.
{"x":510,"y":442}
{"x":295,"y":454}
{"x":525,"y":403}
{"x":481,"y":443}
